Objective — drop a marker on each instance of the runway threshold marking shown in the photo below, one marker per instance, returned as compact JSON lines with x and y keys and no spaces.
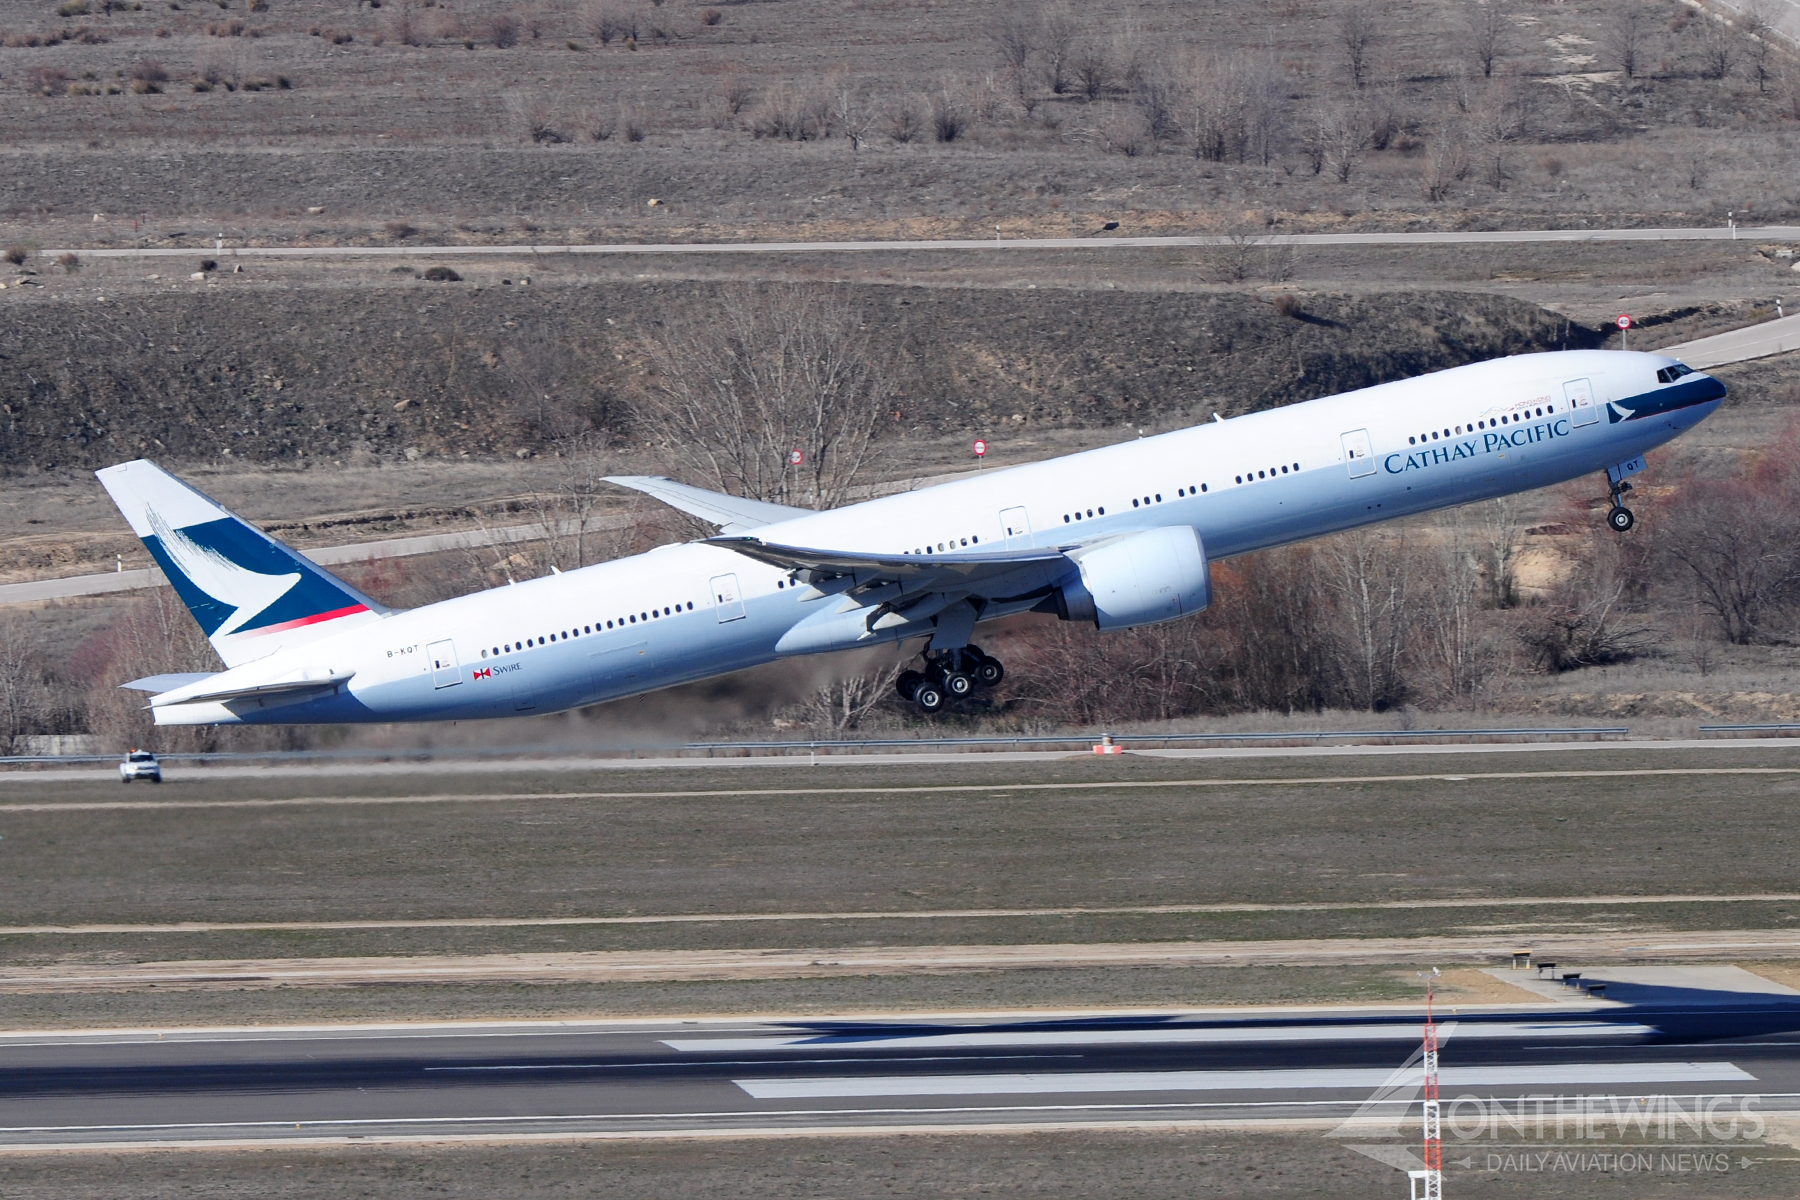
{"x":1361,"y":1078}
{"x":893,"y":790}
{"x":929,"y":914}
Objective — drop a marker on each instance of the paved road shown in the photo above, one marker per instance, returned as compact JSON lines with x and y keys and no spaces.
{"x":326,"y":556}
{"x":1670,"y":1040}
{"x":1740,"y":345}
{"x":1784,"y":233}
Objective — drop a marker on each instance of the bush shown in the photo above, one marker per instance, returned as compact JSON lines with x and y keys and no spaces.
{"x":1288,"y":305}
{"x":711,"y":16}
{"x":69,"y":262}
{"x":72,"y":8}
{"x":442,"y":275}
{"x":48,"y":81}
{"x":399,"y":230}
{"x":16,"y":255}
{"x":148,"y":76}
{"x":503,"y":30}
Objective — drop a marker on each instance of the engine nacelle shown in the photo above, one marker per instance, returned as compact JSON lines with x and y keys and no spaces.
{"x":1144,"y":579}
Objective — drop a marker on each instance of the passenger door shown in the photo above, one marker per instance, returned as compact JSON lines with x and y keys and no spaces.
{"x":727,"y":598}
{"x":1580,"y":396}
{"x":1017,"y":526}
{"x":444,"y":671}
{"x":1359,"y":453}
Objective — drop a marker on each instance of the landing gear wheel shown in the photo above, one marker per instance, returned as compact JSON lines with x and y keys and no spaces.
{"x":1620,"y":518}
{"x":929,"y":697}
{"x":958,"y":684}
{"x":989,"y":672}
{"x":908,"y":683}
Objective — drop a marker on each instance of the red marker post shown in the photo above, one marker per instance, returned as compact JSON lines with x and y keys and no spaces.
{"x":980,"y":451}
{"x":1624,"y":324}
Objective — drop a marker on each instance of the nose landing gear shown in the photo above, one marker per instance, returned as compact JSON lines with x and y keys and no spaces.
{"x":949,"y":674}
{"x":1619,"y":517}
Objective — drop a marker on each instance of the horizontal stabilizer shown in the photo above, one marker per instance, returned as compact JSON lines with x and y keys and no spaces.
{"x":732,"y":514}
{"x":165,"y":683}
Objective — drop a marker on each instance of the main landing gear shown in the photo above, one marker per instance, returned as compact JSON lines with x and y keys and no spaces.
{"x":1619,"y":517}
{"x":949,"y":674}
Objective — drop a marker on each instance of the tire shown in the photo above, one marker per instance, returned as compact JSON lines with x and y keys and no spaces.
{"x":908,"y":683}
{"x":156,"y":779}
{"x":958,"y":684}
{"x":124,"y":779}
{"x":1620,"y":519}
{"x":929,"y":697}
{"x":989,"y":672}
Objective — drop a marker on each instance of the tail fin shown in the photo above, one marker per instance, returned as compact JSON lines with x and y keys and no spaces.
{"x":251,"y":594}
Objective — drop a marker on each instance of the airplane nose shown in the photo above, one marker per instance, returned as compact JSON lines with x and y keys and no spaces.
{"x":1710,"y":389}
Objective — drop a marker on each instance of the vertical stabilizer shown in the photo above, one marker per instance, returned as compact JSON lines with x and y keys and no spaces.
{"x":251,"y":594}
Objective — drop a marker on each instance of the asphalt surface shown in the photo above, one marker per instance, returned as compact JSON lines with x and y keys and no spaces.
{"x":112,"y":1089}
{"x":1753,"y":341}
{"x":1425,"y":238}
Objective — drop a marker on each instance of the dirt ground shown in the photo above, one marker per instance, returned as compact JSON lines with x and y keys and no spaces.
{"x":1101,"y":1165}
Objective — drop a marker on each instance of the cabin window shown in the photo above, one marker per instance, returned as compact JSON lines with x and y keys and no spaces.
{"x":1180,"y":492}
{"x":1203,"y":487}
{"x":1240,"y":479}
{"x":1103,"y":512}
{"x":1134,"y":504}
{"x":633,"y":620}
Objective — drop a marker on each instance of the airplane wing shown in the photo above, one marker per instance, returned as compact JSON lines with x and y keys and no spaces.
{"x":916,"y":573}
{"x":732,"y":514}
{"x":165,"y":683}
{"x":188,"y":689}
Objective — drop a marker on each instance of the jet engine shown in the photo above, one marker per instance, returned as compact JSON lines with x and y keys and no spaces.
{"x":1143,"y":579}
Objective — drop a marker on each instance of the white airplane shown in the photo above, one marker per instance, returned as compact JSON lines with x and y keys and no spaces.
{"x":1117,"y":537}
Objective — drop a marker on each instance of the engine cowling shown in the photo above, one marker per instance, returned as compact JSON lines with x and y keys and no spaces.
{"x":1147,"y":578}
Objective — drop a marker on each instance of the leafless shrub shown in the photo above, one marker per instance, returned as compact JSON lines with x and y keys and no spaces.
{"x":740,"y":384}
{"x":1582,"y":623}
{"x":1499,"y":117}
{"x":1446,"y":160}
{"x":17,"y":255}
{"x":503,"y":30}
{"x":1357,"y":30}
{"x":1157,"y":94}
{"x":1013,"y":33}
{"x":400,"y":230}
{"x":633,"y":123}
{"x":598,"y":124}
{"x":1627,"y":29}
{"x":148,"y":75}
{"x":534,"y":118}
{"x":949,"y":114}
{"x":843,"y":704}
{"x":1334,"y":139}
{"x":70,"y":262}
{"x":734,"y":95}
{"x":906,"y":119}
{"x":711,"y":16}
{"x":47,"y":80}
{"x":1487,"y":26}
{"x":792,"y":115}
{"x":403,"y":25}
{"x":1387,"y":113}
{"x":1126,"y":130}
{"x":1288,"y":305}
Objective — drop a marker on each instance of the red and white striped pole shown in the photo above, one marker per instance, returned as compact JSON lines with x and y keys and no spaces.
{"x":1429,"y":1183}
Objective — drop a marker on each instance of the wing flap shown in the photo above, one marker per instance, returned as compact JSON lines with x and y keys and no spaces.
{"x":915,"y":573}
{"x":732,"y":514}
{"x":244,"y":691}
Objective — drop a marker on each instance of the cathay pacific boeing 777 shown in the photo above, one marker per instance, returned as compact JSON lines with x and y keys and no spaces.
{"x":1117,"y":537}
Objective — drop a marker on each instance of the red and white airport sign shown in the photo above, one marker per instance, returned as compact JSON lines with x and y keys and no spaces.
{"x":980,"y":448}
{"x":1624,"y":321}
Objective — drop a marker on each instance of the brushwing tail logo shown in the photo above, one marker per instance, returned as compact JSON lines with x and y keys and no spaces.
{"x":248,"y":592}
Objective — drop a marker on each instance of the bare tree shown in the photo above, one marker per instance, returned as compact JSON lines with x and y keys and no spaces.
{"x":1091,"y":66}
{"x":1488,"y":25}
{"x":1718,"y":46}
{"x":1737,"y":543}
{"x":1357,"y":30}
{"x":906,"y":119}
{"x":851,"y":109}
{"x":1157,"y":93}
{"x":1368,"y":577}
{"x":1013,"y":33}
{"x":1335,"y":140}
{"x":843,"y":704}
{"x":24,"y":686}
{"x":1497,"y":119}
{"x":1498,"y":552}
{"x":1627,"y":29}
{"x":1758,"y":44}
{"x":1059,"y":32}
{"x":767,"y":371}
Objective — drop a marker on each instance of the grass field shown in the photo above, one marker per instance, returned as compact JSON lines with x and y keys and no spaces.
{"x":1372,"y":842}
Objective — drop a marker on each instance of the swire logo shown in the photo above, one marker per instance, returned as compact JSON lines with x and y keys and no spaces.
{"x":484,"y":673}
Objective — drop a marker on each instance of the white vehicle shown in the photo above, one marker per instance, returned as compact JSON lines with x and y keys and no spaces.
{"x":1117,"y":537}
{"x":140,"y":764}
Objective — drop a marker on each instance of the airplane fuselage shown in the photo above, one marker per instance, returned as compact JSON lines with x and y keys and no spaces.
{"x":685,"y":612}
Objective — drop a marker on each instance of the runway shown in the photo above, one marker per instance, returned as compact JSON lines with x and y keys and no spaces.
{"x":1669,"y":1046}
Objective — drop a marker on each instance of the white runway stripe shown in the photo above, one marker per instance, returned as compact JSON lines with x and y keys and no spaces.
{"x":1356,"y":1078}
{"x":1168,"y":1035}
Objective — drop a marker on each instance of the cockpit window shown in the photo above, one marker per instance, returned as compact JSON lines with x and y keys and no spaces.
{"x":1671,"y":374}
